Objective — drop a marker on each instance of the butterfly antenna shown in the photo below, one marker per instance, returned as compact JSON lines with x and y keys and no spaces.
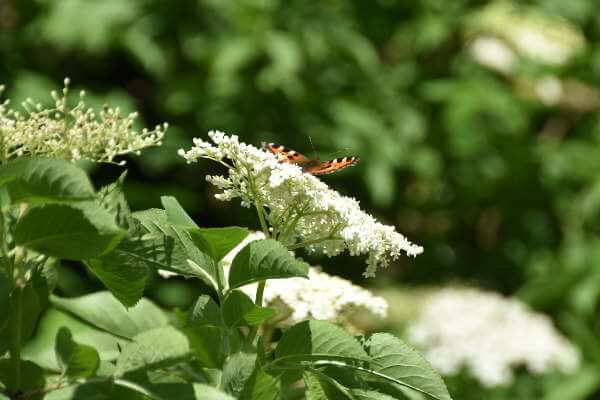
{"x":343,"y":152}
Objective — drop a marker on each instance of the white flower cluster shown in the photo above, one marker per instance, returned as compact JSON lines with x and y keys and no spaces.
{"x":302,"y":210}
{"x":488,"y":335}
{"x":321,"y":296}
{"x":71,"y":133}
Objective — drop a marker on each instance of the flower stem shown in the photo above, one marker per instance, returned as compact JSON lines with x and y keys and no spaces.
{"x":15,"y":339}
{"x":261,"y":217}
{"x":260,"y":290}
{"x":313,"y":241}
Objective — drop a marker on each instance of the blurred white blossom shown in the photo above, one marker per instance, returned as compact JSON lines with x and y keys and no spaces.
{"x":71,"y":133}
{"x":488,"y":335}
{"x":543,"y":38}
{"x":493,"y":53}
{"x":301,"y":210}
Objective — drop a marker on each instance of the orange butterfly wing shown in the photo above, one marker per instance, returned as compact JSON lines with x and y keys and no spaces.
{"x":286,"y":155}
{"x":311,"y":166}
{"x":331,"y":166}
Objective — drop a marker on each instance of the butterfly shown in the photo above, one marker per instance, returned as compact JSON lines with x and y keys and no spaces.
{"x":310,"y":165}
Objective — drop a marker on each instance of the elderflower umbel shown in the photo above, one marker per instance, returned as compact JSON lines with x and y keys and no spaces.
{"x":71,"y":133}
{"x":302,"y":210}
{"x":321,"y":296}
{"x":488,"y":335}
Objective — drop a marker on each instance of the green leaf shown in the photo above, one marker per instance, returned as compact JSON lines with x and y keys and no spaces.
{"x":320,"y":387}
{"x":264,"y":259}
{"x":124,"y":270}
{"x":397,"y":362}
{"x":218,"y":241}
{"x":74,"y":231}
{"x":205,"y":313}
{"x":244,"y":379}
{"x":31,"y":301}
{"x":95,"y":391}
{"x":112,"y":198}
{"x":313,"y":340}
{"x":41,"y":347}
{"x":5,"y":287}
{"x":239,"y":308}
{"x":361,"y":394}
{"x":258,"y":315}
{"x":176,"y":213}
{"x":74,"y":359}
{"x":45,"y":179}
{"x":31,"y":377}
{"x":102,"y":310}
{"x":237,"y":370}
{"x":188,"y":391}
{"x":182,"y":255}
{"x":235,"y":306}
{"x":156,"y":348}
{"x":208,"y":344}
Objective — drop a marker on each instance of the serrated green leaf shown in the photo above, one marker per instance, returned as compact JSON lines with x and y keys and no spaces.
{"x":264,"y":259}
{"x":44,"y":179}
{"x":40,"y":348}
{"x":258,"y":315}
{"x":124,"y":269}
{"x":74,"y":359}
{"x":205,"y":312}
{"x":156,"y":348}
{"x":318,"y":340}
{"x":238,"y":308}
{"x":31,"y":301}
{"x":218,"y":241}
{"x":208,"y":344}
{"x":112,"y":198}
{"x":74,"y":231}
{"x":361,"y":394}
{"x":244,"y":379}
{"x":397,"y":362}
{"x":176,"y":213}
{"x":319,"y":387}
{"x":235,"y":306}
{"x":94,"y":391}
{"x":102,"y":310}
{"x":188,"y":391}
{"x":237,"y":370}
{"x":182,"y":255}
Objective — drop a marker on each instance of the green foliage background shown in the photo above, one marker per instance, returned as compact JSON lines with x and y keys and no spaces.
{"x":459,"y":157}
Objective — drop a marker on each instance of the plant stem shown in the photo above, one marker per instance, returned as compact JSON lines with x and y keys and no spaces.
{"x":260,"y":290}
{"x":313,"y":241}
{"x":15,"y":340}
{"x":261,"y":217}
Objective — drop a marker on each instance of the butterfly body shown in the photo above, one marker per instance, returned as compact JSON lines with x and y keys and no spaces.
{"x":310,"y":165}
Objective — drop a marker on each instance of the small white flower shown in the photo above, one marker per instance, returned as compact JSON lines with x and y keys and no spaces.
{"x":489,"y":335}
{"x":301,"y":210}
